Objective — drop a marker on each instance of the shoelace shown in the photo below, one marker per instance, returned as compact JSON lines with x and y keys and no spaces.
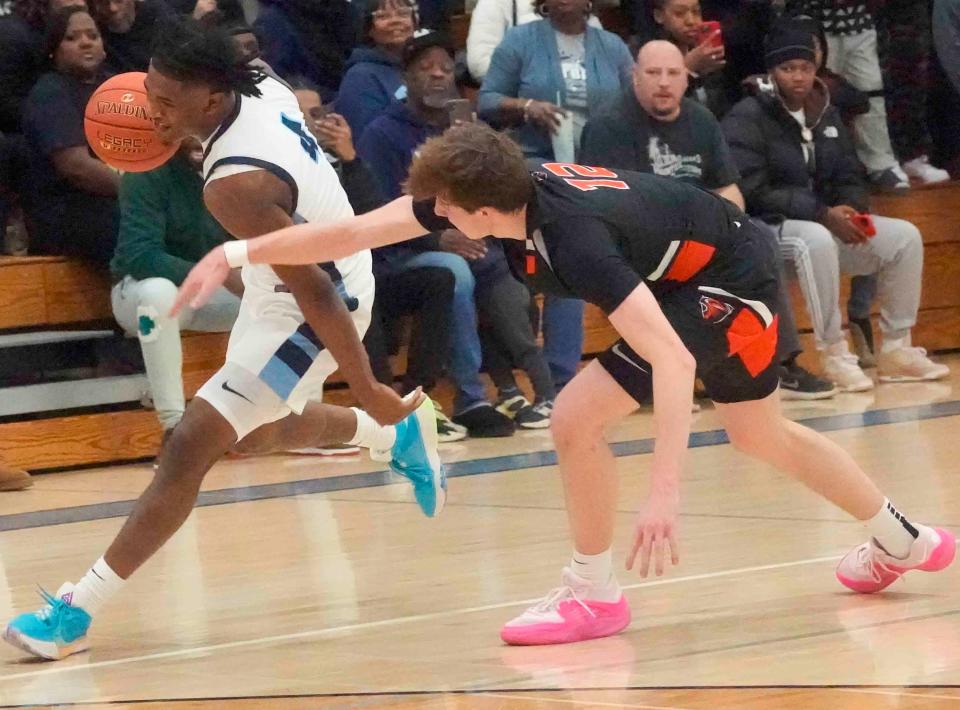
{"x":52,"y":603}
{"x":868,"y":558}
{"x":555,"y":597}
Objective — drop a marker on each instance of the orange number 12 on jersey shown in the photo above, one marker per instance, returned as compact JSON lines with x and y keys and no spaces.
{"x":589,"y":178}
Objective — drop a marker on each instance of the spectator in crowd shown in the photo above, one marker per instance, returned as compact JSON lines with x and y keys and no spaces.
{"x":681,"y":22}
{"x":852,"y":43}
{"x":426,"y":292}
{"x":128,"y":28}
{"x":845,"y":96}
{"x":72,"y":201}
{"x":489,"y":21}
{"x":798,"y":164}
{"x":547,"y":78}
{"x":744,"y":24}
{"x":374,"y":78}
{"x":308,"y":38}
{"x":906,"y":45}
{"x":13,"y":479}
{"x":164,"y":230}
{"x":388,"y":145}
{"x":851,"y":102}
{"x":22,"y":59}
{"x":946,"y":37}
{"x":653,"y":128}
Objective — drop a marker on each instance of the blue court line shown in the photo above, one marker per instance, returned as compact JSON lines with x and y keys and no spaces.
{"x":496,"y":464}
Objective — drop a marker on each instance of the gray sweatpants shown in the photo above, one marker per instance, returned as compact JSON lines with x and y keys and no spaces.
{"x":141,"y":309}
{"x":854,"y":57}
{"x":895,"y":254}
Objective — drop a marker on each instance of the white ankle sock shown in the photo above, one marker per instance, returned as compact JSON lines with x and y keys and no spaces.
{"x":97,"y":586}
{"x":371,"y":435}
{"x":598,"y":570}
{"x":891,"y":344}
{"x":892,"y":530}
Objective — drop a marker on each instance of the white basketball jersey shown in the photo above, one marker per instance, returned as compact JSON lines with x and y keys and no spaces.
{"x":268,"y":133}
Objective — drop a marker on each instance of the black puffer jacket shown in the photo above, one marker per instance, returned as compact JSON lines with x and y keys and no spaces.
{"x":767,"y":144}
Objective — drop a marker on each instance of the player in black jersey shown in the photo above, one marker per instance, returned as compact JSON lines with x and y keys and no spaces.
{"x":689,"y":286}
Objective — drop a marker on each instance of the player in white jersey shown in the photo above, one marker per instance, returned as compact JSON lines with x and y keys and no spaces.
{"x":296,"y":325}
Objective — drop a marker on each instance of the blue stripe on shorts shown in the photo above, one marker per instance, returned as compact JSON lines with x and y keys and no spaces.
{"x":290,"y":363}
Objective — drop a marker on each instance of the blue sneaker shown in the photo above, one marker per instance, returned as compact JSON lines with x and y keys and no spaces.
{"x":414,"y":456}
{"x":55,"y":631}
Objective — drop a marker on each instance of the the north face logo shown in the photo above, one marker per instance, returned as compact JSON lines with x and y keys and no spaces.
{"x":713,"y":310}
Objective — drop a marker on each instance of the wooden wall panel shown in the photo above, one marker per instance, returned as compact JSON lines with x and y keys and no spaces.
{"x":932,"y":209}
{"x":22,"y":301}
{"x":80,"y":440}
{"x":76,"y":293}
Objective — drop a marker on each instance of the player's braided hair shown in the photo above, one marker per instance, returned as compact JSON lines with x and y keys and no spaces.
{"x":197,"y":52}
{"x":472,"y":166}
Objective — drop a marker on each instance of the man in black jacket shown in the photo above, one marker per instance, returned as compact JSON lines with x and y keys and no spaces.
{"x":798,"y":165}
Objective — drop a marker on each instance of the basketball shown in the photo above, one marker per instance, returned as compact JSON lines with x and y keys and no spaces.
{"x":118,"y":126}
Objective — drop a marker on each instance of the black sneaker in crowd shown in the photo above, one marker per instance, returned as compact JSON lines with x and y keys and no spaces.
{"x":485,"y":422}
{"x":534,"y":416}
{"x":447,"y":431}
{"x":798,"y":383}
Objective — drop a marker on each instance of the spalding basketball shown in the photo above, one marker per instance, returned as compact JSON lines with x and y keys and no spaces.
{"x":118,"y":126}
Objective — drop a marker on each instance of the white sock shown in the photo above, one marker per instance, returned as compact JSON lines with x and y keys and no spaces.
{"x":96,"y":587}
{"x":598,"y":570}
{"x":891,"y":344}
{"x":892,"y":530}
{"x":371,"y":435}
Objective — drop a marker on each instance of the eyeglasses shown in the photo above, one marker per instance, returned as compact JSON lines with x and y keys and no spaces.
{"x":400,"y":13}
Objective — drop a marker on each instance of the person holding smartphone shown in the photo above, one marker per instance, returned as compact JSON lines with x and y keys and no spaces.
{"x":485,"y":291}
{"x":799,"y":169}
{"x":704,"y":53}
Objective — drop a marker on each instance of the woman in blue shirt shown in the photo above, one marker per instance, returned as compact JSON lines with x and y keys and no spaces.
{"x":545,"y":71}
{"x":374,"y":78}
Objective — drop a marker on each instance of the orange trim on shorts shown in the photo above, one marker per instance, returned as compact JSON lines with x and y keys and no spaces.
{"x":690,"y":259}
{"x":751,"y":342}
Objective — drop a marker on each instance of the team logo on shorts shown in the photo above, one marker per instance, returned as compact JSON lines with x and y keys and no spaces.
{"x":713,"y":310}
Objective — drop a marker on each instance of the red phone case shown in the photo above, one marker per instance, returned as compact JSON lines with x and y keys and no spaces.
{"x":865,"y":223}
{"x":707,"y":29}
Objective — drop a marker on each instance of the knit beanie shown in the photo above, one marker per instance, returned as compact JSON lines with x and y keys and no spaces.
{"x":788,"y":40}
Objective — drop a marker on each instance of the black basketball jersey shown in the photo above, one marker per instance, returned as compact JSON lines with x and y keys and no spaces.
{"x":596,"y":234}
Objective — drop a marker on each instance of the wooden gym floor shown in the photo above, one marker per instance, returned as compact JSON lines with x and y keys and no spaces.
{"x":307,"y":583}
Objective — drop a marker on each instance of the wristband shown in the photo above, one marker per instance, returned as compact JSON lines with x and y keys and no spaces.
{"x":526,"y":108}
{"x":236,"y":253}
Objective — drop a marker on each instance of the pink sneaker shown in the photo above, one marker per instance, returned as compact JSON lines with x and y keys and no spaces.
{"x":565,"y":615}
{"x":868,"y":568}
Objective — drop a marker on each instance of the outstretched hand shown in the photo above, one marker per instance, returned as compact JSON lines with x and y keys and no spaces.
{"x":387,"y":407}
{"x":655,"y":530}
{"x":203,"y":280}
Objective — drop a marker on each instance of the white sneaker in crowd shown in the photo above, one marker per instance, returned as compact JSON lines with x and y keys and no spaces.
{"x":909,"y":364}
{"x":921,"y":169}
{"x":840,"y":367}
